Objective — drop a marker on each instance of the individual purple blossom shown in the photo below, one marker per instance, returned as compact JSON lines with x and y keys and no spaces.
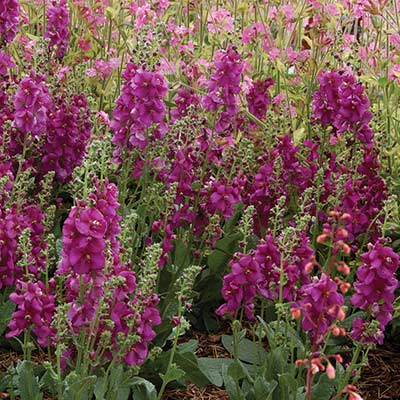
{"x":376,"y":283}
{"x":360,"y":329}
{"x":9,"y":19}
{"x":58,"y":27}
{"x":320,"y":305}
{"x":35,"y":308}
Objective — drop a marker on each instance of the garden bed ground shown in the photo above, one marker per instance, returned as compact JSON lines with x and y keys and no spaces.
{"x":379,"y":381}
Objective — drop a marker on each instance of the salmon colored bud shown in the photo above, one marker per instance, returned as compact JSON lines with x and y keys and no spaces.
{"x":345,"y":216}
{"x":341,"y":314}
{"x":343,"y":232}
{"x":299,"y":362}
{"x":330,"y":371}
{"x":346,"y":269}
{"x":344,"y":287}
{"x":346,"y":248}
{"x":338,"y":358}
{"x":309,"y":267}
{"x":314,"y":369}
{"x":296,"y":313}
{"x":335,"y":331}
{"x":342,"y":332}
{"x":321,"y":238}
{"x":334,"y":214}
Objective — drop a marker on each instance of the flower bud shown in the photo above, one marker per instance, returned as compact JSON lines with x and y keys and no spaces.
{"x":330,"y":371}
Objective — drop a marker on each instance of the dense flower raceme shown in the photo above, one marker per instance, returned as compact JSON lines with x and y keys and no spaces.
{"x":341,"y":103}
{"x":258,"y":97}
{"x":91,"y":256}
{"x":9,"y":19}
{"x":223,"y":86}
{"x":320,"y":305}
{"x":68,"y":132}
{"x":31,"y":102}
{"x":58,"y":26}
{"x":375,"y":286}
{"x":35,"y":309}
{"x":139,"y":107}
{"x":13,"y":221}
{"x":259,"y":273}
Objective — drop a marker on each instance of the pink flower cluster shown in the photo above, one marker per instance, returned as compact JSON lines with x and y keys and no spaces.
{"x":341,"y":102}
{"x":31,"y":102}
{"x":375,"y":285}
{"x":223,"y":86}
{"x":9,"y":19}
{"x":320,"y":305}
{"x":259,"y":273}
{"x":58,"y":27}
{"x":68,"y":132}
{"x":91,"y":256}
{"x":139,"y":107}
{"x":12,"y":222}
{"x":36,"y":306}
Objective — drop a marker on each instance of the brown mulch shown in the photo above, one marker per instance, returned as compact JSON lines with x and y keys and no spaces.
{"x":192,"y":392}
{"x":380,"y":380}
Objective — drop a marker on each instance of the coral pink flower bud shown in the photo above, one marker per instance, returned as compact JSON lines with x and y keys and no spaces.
{"x":341,"y":314}
{"x":344,"y":287}
{"x":330,"y":371}
{"x":335,"y":331}
{"x":309,"y":267}
{"x":321,"y":238}
{"x":296,"y":313}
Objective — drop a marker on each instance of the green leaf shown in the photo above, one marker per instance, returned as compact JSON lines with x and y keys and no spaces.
{"x":28,"y":384}
{"x":188,"y":363}
{"x":212,"y":369}
{"x":173,"y":374}
{"x":263,"y":389}
{"x":143,"y":389}
{"x":190,"y":346}
{"x":6,"y":309}
{"x":224,"y":249}
{"x":248,"y":350}
{"x":231,"y":386}
{"x":78,"y":388}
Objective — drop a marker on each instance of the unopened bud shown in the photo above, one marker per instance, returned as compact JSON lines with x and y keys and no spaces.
{"x":330,"y":371}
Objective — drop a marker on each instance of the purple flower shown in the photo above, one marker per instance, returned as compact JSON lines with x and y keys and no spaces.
{"x":9,"y":19}
{"x":376,"y":283}
{"x":58,"y":27}
{"x":258,"y":98}
{"x":139,"y":106}
{"x":240,"y":286}
{"x":31,"y":102}
{"x":67,"y":135}
{"x":36,"y":307}
{"x":320,"y":305}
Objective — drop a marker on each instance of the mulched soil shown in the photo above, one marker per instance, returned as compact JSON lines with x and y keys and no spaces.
{"x":381,"y":379}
